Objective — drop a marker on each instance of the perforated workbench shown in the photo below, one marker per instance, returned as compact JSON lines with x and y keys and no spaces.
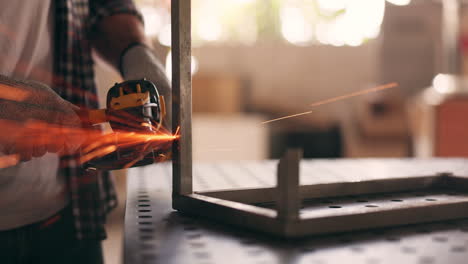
{"x":154,"y":233}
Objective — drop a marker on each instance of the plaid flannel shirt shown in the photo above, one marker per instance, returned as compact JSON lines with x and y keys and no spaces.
{"x":92,"y":194}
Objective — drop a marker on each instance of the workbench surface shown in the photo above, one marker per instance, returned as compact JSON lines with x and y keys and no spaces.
{"x":154,"y":233}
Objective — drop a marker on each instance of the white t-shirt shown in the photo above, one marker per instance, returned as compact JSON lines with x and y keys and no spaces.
{"x":34,"y":190}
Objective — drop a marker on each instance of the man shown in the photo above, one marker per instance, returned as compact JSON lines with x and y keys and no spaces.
{"x":51,"y":212}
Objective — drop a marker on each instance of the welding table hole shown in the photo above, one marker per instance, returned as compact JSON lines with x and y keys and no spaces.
{"x":197,"y":244}
{"x":146,"y":237}
{"x":255,"y":252}
{"x":458,"y":249}
{"x":144,"y":210}
{"x":334,"y":206}
{"x":397,"y":200}
{"x":426,"y":260}
{"x":431,"y":199}
{"x":202,"y":255}
{"x":194,"y":236}
{"x":146,"y":230}
{"x":144,"y":201}
{"x":357,"y":249}
{"x":409,"y":250}
{"x":144,"y":205}
{"x":145,"y":223}
{"x":144,"y":216}
{"x":147,"y":246}
{"x":441,"y":239}
{"x":371,"y":205}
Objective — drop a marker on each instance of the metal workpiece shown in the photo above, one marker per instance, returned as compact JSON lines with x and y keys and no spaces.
{"x":280,"y":215}
{"x":288,"y":199}
{"x":155,"y":233}
{"x":222,"y":208}
{"x":181,"y":95}
{"x":451,"y":50}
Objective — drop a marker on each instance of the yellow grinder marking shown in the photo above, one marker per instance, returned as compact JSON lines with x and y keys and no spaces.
{"x":129,"y":100}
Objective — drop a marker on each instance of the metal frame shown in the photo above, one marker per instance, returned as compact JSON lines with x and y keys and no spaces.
{"x":237,"y":207}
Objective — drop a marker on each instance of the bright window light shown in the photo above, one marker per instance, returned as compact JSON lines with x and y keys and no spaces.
{"x":399,"y":2}
{"x":294,"y":27}
{"x":300,"y":22}
{"x":152,"y":18}
{"x":332,"y":5}
{"x":164,"y":36}
{"x":194,"y":65}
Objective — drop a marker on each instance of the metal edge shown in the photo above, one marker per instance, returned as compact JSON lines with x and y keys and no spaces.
{"x":232,"y":213}
{"x":288,"y":199}
{"x":264,"y":195}
{"x":383,"y":218}
{"x":181,"y":96}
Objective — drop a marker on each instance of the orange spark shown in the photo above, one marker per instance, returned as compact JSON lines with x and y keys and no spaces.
{"x":8,"y":161}
{"x":12,"y":93}
{"x":335,"y":99}
{"x":98,"y":153}
{"x":143,"y":153}
{"x":286,"y":117}
{"x":346,"y":96}
{"x":39,"y":137}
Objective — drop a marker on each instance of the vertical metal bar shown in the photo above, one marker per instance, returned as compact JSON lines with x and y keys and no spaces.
{"x":288,"y":185}
{"x":451,"y":37}
{"x":181,"y":96}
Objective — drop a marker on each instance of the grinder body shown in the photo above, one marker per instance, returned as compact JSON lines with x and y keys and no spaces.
{"x":132,"y":107}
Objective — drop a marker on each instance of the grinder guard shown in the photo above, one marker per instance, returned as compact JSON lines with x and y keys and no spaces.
{"x":132,"y":106}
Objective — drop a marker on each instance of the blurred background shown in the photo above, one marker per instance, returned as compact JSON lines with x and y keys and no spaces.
{"x":256,"y":60}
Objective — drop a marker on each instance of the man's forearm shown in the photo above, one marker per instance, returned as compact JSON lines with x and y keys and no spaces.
{"x":120,"y":32}
{"x":115,"y":33}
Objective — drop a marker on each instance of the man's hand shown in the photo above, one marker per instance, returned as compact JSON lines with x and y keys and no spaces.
{"x":120,"y":39}
{"x":38,"y":122}
{"x":139,"y":62}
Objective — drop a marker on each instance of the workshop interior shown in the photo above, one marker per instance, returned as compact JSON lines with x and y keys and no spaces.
{"x":302,"y":131}
{"x":254,"y":63}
